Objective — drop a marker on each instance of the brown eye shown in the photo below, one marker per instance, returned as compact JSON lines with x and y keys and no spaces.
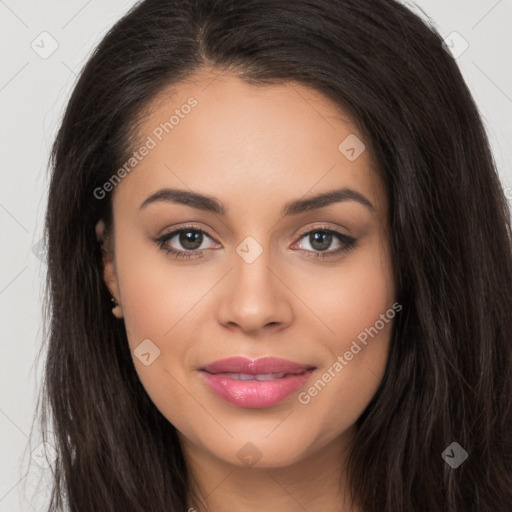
{"x":190,"y":240}
{"x":184,"y":242}
{"x":320,"y":240}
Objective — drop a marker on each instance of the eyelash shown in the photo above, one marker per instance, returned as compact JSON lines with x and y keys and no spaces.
{"x":161,"y":241}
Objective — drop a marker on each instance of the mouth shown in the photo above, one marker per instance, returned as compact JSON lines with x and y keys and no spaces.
{"x":255,"y":383}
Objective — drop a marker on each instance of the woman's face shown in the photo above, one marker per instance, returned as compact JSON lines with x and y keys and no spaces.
{"x":271,"y":274}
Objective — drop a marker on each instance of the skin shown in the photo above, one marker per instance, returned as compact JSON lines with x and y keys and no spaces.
{"x":254,"y":148}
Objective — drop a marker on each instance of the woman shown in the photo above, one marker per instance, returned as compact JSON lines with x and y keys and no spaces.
{"x":280,"y":271}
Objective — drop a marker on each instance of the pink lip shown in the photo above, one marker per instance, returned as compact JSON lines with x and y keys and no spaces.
{"x":254,"y":393}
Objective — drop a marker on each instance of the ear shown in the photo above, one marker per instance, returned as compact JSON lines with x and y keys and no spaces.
{"x":109,"y":270}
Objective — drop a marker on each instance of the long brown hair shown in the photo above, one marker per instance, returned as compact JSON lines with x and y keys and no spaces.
{"x":449,"y":374}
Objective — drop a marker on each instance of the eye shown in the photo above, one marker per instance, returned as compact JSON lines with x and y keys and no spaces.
{"x":188,"y":239}
{"x":321,"y":239}
{"x":187,"y":242}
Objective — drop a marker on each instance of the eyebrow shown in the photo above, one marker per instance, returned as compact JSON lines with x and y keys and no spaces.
{"x":210,"y":204}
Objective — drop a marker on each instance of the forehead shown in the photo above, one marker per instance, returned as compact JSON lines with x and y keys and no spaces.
{"x":218,"y":135}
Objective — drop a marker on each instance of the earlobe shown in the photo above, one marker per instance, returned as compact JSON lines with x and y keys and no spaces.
{"x":109,"y":270}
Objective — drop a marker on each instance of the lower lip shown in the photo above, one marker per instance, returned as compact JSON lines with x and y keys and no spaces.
{"x":253,"y":393}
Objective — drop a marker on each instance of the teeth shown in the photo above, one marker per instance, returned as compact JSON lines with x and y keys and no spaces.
{"x":248,"y":376}
{"x":269,"y":376}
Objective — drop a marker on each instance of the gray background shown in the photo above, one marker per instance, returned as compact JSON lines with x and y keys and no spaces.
{"x":34,"y":88}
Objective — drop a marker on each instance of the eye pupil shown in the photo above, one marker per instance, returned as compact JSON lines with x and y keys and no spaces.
{"x":188,"y":239}
{"x":325,"y":240}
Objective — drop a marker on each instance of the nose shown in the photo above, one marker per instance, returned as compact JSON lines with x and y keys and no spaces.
{"x":255,"y":297}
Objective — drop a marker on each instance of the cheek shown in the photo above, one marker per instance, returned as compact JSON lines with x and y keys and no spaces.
{"x":345,"y":386}
{"x":160,"y":303}
{"x":155,"y":294}
{"x":349,"y":298}
{"x":356,"y":308}
{"x":157,"y":301}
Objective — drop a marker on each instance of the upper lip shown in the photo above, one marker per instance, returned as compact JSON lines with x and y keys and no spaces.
{"x":255,"y":367}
